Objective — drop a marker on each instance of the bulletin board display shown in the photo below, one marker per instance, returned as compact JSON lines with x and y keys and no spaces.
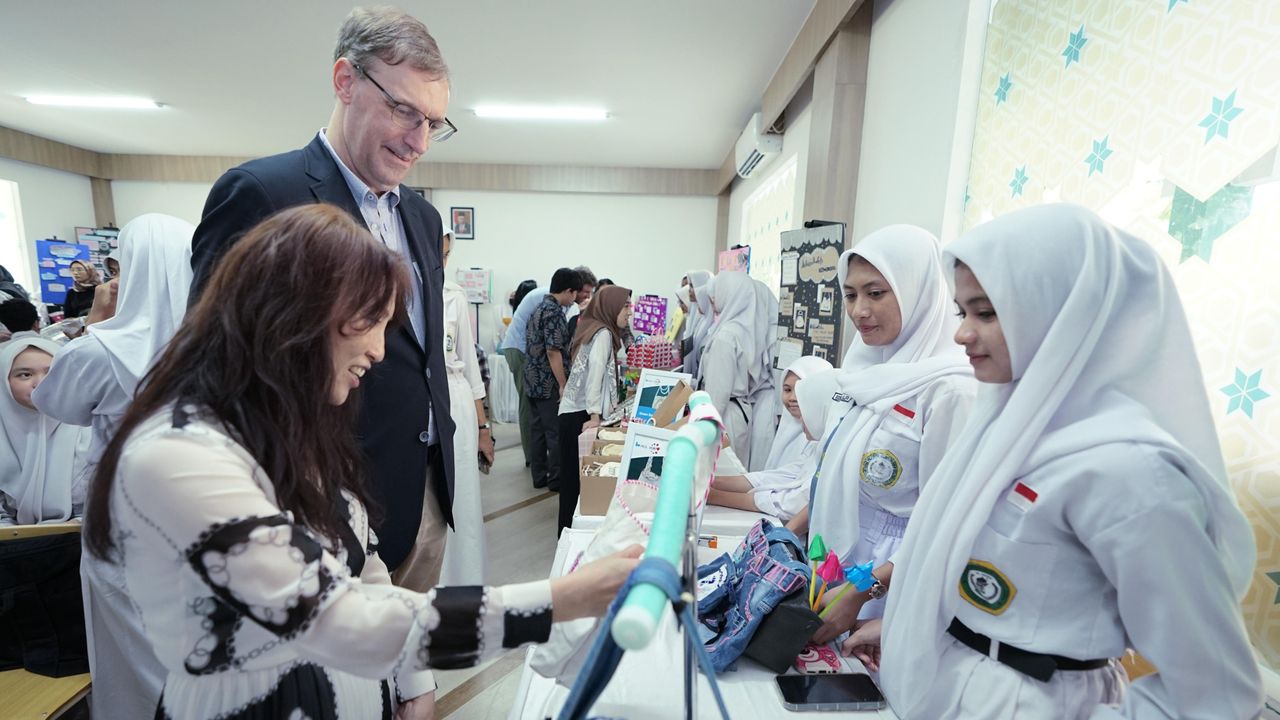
{"x":810,"y":316}
{"x":735,"y":260}
{"x":101,"y":243}
{"x":477,"y":283}
{"x":53,"y":259}
{"x":649,"y":315}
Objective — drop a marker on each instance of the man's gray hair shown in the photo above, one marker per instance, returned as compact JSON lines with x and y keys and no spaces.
{"x":588,"y":277}
{"x":392,"y":36}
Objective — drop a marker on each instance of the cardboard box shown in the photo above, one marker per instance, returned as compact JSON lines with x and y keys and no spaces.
{"x":595,"y":493}
{"x":598,"y":446}
{"x":672,"y":407}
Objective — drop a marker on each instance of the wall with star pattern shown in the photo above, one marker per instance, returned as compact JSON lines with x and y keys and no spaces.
{"x":1163,"y":116}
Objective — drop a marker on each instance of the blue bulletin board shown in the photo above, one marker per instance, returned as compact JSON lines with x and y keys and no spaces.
{"x":53,"y":258}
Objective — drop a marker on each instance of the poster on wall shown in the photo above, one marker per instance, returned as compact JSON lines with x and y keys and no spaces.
{"x":101,"y":242}
{"x":649,"y":315}
{"x":735,"y":260}
{"x":809,"y":307}
{"x":53,"y":260}
{"x":477,"y":283}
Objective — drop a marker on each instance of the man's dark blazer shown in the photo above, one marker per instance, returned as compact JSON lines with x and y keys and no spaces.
{"x":395,"y":393}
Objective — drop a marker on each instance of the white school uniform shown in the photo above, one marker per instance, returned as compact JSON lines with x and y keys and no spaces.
{"x":1085,"y":508}
{"x":464,"y":550}
{"x":896,"y":408}
{"x":91,"y":382}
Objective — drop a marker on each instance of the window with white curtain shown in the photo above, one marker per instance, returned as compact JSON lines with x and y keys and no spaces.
{"x":14,"y":255}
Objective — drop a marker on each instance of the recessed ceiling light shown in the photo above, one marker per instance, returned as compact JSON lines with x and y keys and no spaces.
{"x":99,"y":101}
{"x":535,"y":112}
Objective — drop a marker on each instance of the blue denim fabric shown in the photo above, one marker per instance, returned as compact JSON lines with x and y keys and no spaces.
{"x":736,"y":593}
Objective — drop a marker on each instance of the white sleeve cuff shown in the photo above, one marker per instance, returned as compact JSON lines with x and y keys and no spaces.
{"x":411,"y":684}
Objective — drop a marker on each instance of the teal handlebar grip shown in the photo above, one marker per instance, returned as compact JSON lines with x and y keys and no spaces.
{"x":637,"y":620}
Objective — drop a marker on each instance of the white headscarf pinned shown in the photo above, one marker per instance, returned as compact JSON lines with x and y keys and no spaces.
{"x":878,"y":378}
{"x":744,"y":318}
{"x":1097,"y":338}
{"x":155,"y":269}
{"x":39,"y":456}
{"x":790,"y":440}
{"x":698,"y":326}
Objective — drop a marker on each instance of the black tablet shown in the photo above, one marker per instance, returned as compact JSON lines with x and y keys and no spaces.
{"x":829,"y":692}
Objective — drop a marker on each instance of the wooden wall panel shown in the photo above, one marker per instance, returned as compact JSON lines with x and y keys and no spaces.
{"x":33,"y":149}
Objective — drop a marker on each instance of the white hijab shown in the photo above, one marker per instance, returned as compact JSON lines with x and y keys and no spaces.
{"x":875,"y":379}
{"x":1097,"y":338}
{"x":790,"y":440}
{"x":698,"y":325}
{"x":155,"y":269}
{"x":38,"y":455}
{"x":744,"y":319}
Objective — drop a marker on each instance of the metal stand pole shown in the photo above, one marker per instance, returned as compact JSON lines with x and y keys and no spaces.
{"x":690,"y":597}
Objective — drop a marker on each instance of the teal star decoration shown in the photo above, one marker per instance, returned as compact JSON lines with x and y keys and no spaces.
{"x":1174,"y":3}
{"x":1198,"y":224}
{"x":1218,"y":121}
{"x":1074,"y":45}
{"x":1019,"y":179}
{"x":1244,"y":392}
{"x":1275,"y":578}
{"x":967,"y":196}
{"x":1002,"y":92}
{"x":1099,"y":155}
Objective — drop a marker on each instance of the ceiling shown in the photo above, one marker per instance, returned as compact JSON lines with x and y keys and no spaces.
{"x":679,"y":78}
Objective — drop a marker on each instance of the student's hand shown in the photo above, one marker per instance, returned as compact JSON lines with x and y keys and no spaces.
{"x":486,"y":444}
{"x":840,"y":617}
{"x":422,"y":707}
{"x":864,"y":643}
{"x":104,"y":302}
{"x":587,"y":591}
{"x":594,"y":422}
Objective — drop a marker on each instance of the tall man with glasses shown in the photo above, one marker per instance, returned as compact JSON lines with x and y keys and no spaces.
{"x":391,"y":91}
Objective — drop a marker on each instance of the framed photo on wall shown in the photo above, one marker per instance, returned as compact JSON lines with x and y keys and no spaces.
{"x":463,"y":220}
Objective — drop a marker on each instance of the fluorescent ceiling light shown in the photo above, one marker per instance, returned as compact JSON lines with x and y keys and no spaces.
{"x":534,"y":112}
{"x":101,"y":101}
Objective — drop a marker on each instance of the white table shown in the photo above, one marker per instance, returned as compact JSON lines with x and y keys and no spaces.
{"x":716,"y":520}
{"x":647,"y":685}
{"x":504,"y":403}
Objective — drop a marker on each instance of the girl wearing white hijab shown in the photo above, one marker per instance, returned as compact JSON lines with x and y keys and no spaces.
{"x":790,"y":442}
{"x":902,"y":397}
{"x":1084,"y":510}
{"x":697,"y":326}
{"x":92,"y":382}
{"x":783,"y":490}
{"x":735,"y":365}
{"x":464,"y":549}
{"x":42,"y":460}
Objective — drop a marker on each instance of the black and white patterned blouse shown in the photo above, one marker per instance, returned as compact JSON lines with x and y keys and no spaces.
{"x":255,"y":616}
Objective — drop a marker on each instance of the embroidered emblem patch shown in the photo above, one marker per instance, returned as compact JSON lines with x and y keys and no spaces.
{"x":986,"y":588}
{"x":880,"y":468}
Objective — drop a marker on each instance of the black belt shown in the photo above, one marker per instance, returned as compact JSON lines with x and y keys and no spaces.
{"x":1032,"y":664}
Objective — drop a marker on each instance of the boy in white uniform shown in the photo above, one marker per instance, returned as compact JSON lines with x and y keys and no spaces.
{"x":1085,"y":509}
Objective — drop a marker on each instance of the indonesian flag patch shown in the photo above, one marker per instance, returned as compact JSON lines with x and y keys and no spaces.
{"x":1022,"y":496}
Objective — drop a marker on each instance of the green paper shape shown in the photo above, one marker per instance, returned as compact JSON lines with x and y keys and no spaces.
{"x":817,"y":549}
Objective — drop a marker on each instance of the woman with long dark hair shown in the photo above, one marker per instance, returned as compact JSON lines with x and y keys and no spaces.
{"x":233,"y":496}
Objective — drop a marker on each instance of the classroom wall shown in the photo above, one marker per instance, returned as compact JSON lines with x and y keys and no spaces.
{"x":52,"y":202}
{"x":1152,"y":124}
{"x":183,"y":200}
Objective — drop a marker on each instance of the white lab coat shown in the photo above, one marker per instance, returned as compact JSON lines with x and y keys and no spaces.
{"x":464,"y":549}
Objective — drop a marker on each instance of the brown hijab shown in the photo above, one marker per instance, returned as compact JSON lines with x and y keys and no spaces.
{"x":91,"y":277}
{"x":602,"y":313}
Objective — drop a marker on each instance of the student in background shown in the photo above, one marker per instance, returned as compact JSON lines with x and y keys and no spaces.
{"x":591,"y":397}
{"x":80,"y":295}
{"x":545,"y":374}
{"x":701,"y":317}
{"x":782,"y":490}
{"x":42,"y":460}
{"x":464,"y":551}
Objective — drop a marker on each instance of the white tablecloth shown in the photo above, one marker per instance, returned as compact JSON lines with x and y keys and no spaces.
{"x":649,"y":684}
{"x":503,"y":401}
{"x":716,"y":520}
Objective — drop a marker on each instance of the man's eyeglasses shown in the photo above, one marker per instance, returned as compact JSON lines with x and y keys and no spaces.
{"x":409,"y":117}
